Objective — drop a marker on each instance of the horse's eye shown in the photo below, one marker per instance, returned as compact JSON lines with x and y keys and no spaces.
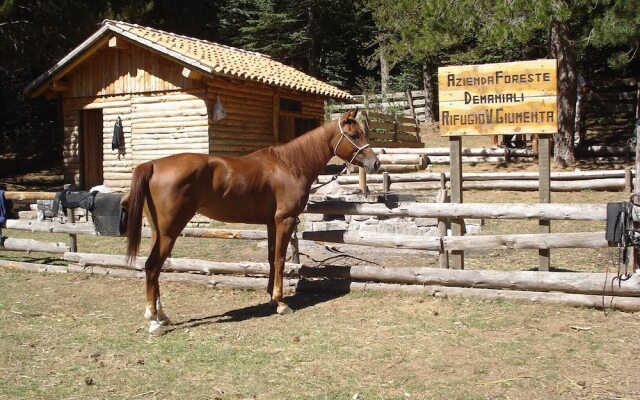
{"x":354,"y":135}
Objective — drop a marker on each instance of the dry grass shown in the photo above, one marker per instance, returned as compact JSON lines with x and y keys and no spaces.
{"x":71,"y":336}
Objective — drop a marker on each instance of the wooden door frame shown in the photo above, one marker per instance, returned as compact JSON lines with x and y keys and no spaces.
{"x":95,"y":138}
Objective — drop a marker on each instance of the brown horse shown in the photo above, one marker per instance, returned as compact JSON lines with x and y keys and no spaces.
{"x":270,"y":186}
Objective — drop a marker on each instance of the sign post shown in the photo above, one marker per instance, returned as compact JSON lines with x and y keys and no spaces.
{"x":498,"y":99}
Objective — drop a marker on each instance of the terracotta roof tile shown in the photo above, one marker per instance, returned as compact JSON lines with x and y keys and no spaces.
{"x":230,"y":61}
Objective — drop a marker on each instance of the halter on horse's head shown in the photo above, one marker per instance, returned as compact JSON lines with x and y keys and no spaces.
{"x":351,"y":144}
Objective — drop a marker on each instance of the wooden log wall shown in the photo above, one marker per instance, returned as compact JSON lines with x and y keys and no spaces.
{"x":253,"y":116}
{"x":114,"y":161}
{"x":248,"y":124}
{"x":151,"y":97}
{"x":164,"y":124}
{"x":164,"y":112}
{"x":133,"y":69}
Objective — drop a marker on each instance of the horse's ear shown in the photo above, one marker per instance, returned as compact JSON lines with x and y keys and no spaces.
{"x":345,"y":117}
{"x":353,"y":113}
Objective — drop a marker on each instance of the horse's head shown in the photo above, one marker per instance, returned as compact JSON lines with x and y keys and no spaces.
{"x":350,"y":143}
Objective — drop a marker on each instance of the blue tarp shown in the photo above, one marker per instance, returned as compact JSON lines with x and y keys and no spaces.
{"x":3,"y":207}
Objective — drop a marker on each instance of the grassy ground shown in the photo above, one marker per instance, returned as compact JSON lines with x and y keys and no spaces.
{"x":73,"y":336}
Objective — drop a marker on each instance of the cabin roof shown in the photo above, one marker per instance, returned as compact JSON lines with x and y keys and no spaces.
{"x":210,"y":58}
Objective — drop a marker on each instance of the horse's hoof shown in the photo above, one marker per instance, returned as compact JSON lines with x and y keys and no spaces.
{"x":284,"y":310}
{"x":156,"y":329}
{"x":165,"y":321}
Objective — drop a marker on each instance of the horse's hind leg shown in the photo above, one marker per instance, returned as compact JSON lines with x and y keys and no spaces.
{"x":162,"y":246}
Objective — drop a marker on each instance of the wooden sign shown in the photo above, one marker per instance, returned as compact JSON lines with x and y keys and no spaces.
{"x":498,"y":99}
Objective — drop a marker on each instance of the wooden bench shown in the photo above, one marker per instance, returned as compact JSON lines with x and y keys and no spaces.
{"x":390,"y":130}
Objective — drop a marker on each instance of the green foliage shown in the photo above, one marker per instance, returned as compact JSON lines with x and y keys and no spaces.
{"x":335,"y":40}
{"x":602,"y":34}
{"x":324,"y":38}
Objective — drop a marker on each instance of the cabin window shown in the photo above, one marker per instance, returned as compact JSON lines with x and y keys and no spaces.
{"x":290,"y":105}
{"x":293,"y":121}
{"x":303,"y":125}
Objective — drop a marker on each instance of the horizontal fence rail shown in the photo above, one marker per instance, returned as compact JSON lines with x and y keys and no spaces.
{"x":578,"y":289}
{"x":552,"y":211}
{"x":612,"y":180}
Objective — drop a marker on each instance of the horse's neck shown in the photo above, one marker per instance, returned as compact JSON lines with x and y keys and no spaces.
{"x":310,"y":152}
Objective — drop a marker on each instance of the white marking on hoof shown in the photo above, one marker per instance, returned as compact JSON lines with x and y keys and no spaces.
{"x":284,"y":310}
{"x":156,"y":329}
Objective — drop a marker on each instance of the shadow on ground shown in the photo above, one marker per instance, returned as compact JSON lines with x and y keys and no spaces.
{"x":297,"y":302}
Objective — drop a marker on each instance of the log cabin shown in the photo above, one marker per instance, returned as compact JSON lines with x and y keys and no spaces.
{"x":168,"y":92}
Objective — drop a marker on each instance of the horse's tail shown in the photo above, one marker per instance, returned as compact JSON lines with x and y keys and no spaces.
{"x":137,"y":196}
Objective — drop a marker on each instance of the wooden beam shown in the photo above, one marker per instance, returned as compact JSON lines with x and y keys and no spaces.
{"x":30,"y":245}
{"x":59,"y":86}
{"x":276,"y":115}
{"x":118,"y":43}
{"x":555,"y":211}
{"x":71,"y":65}
{"x":190,"y":73}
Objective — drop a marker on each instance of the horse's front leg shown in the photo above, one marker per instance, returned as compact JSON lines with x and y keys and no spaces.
{"x":284,"y":229}
{"x":271,"y":240}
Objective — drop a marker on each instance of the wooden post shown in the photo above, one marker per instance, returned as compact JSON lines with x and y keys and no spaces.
{"x":628,"y":180}
{"x":455,"y":152}
{"x":413,"y":114}
{"x":443,"y":259}
{"x":544,"y":225}
{"x":386,"y":182}
{"x":295,"y":252}
{"x":363,"y":180}
{"x":637,"y":132}
{"x":71,"y":219}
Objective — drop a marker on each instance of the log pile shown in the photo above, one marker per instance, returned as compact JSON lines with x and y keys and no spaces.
{"x":440,"y":155}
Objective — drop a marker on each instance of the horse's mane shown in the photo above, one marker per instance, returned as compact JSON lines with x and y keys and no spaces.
{"x":307,"y":152}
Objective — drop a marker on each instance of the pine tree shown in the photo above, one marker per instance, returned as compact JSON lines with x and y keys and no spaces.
{"x":427,"y":32}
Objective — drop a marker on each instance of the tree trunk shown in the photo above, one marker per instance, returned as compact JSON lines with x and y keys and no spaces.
{"x":429,"y":90}
{"x":312,"y":55}
{"x":561,"y":50}
{"x":384,"y":71}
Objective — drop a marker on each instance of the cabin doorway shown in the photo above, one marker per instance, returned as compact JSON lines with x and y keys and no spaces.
{"x":91,"y":148}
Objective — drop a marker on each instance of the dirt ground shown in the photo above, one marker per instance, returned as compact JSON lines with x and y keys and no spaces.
{"x":84,"y":337}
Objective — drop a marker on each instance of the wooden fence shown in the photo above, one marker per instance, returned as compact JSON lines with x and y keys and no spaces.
{"x":575,"y":288}
{"x":409,"y":103}
{"x":611,"y":180}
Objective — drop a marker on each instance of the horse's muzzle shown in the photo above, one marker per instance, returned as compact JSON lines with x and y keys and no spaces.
{"x":371,"y":164}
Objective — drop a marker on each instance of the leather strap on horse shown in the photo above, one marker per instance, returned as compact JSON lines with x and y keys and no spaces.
{"x":333,"y":178}
{"x":335,"y":153}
